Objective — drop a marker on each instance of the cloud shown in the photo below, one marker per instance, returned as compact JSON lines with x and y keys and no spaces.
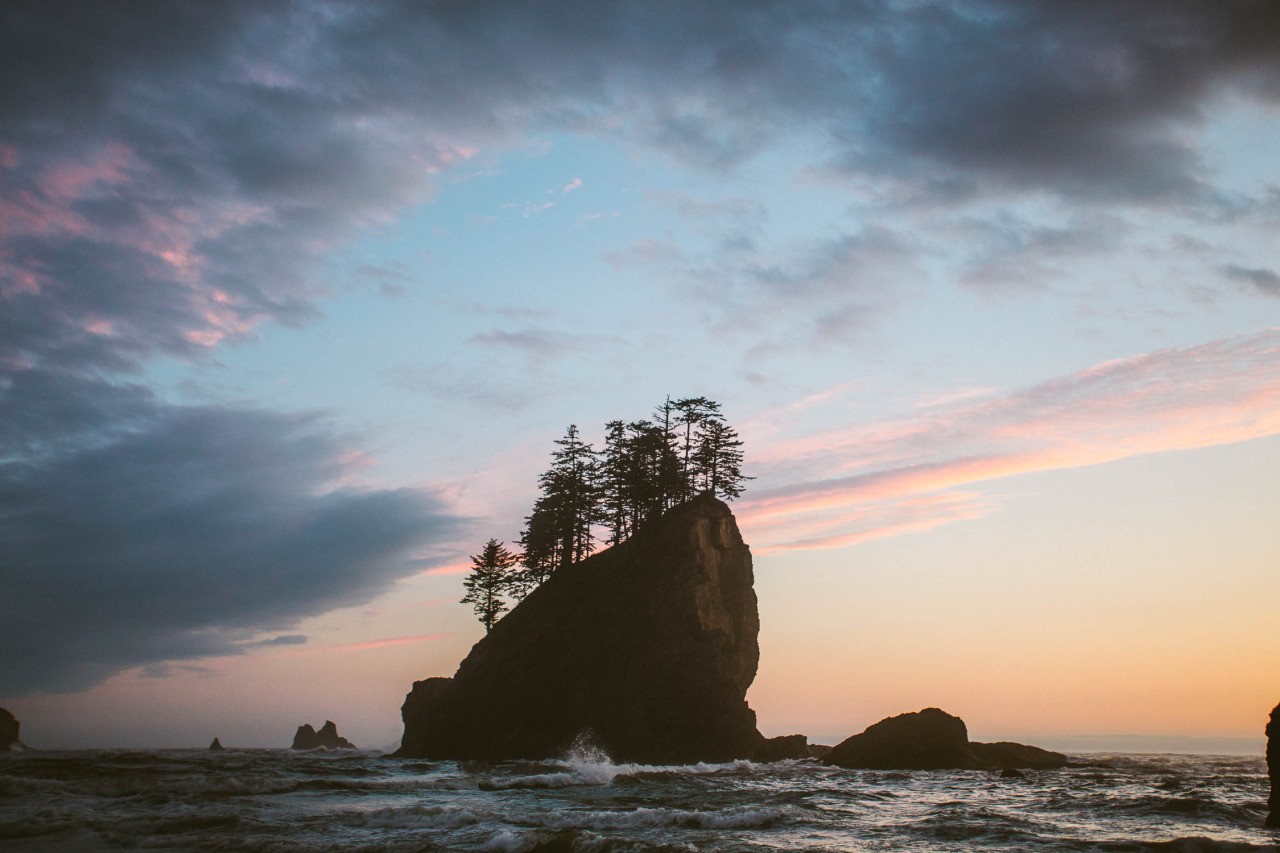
{"x":917,"y":472}
{"x":175,"y":533}
{"x":572,"y":185}
{"x":1265,"y":280}
{"x":173,"y":172}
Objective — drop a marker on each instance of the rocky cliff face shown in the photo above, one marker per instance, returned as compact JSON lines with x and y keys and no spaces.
{"x":932,"y":739}
{"x":649,"y":646}
{"x":8,"y":730}
{"x":1273,"y":767}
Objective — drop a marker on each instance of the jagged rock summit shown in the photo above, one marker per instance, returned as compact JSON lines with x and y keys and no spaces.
{"x":648,"y":647}
{"x":932,"y":739}
{"x":309,"y":738}
{"x":1273,"y":767}
{"x":8,"y":730}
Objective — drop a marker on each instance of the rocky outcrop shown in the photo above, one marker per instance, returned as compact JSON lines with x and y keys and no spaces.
{"x":1273,"y":767}
{"x":933,"y":740}
{"x":309,"y":738}
{"x":649,"y":647}
{"x":782,"y":747}
{"x":217,"y":746}
{"x":8,"y":730}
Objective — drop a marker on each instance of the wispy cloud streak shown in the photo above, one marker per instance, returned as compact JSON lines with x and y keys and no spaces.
{"x":918,"y":471}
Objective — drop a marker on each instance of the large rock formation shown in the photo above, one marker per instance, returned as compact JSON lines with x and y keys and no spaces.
{"x":1273,"y":767}
{"x":309,"y":738}
{"x":649,"y":647}
{"x":933,"y":740}
{"x":8,"y":730}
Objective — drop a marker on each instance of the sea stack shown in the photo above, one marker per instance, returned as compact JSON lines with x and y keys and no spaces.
{"x":1273,"y":767}
{"x":648,"y":648}
{"x":328,"y":737}
{"x":216,"y":746}
{"x":8,"y":730}
{"x":932,"y":739}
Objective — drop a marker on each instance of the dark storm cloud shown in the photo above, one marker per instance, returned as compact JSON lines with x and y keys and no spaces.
{"x":180,"y":533}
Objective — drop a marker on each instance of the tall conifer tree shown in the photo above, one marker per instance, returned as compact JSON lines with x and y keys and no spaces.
{"x":491,"y":578}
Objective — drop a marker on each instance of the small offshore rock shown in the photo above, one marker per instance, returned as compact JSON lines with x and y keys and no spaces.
{"x":932,"y":739}
{"x":216,"y":746}
{"x":1273,"y":767}
{"x":328,"y":737}
{"x":8,"y":730}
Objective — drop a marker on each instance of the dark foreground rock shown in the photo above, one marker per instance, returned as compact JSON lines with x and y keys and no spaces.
{"x":649,"y":647}
{"x":1273,"y":767}
{"x":217,"y":746}
{"x":8,"y":730}
{"x":309,"y":738}
{"x":934,"y":740}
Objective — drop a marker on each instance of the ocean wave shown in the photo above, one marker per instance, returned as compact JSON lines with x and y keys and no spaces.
{"x":742,"y":817}
{"x":604,"y":772}
{"x":423,"y":817}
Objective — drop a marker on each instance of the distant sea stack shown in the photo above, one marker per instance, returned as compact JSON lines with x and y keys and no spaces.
{"x":648,"y":647}
{"x":932,"y":739}
{"x":1273,"y":767}
{"x":328,"y":737}
{"x":217,"y":746}
{"x":8,"y":730}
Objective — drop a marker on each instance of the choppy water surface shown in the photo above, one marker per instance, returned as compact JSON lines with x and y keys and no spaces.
{"x":278,"y":800}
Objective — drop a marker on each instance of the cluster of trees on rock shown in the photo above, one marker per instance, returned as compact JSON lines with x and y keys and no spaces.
{"x":587,"y":495}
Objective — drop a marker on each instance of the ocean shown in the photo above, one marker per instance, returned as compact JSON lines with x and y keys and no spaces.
{"x":280,"y":800}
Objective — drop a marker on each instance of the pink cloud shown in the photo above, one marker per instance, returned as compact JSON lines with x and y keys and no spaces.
{"x":896,"y":476}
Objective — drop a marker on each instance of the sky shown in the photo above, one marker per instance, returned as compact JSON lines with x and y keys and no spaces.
{"x":295,"y":298}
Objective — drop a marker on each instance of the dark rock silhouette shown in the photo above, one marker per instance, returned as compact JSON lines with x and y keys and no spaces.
{"x":216,"y":745}
{"x":309,"y":738}
{"x":933,"y":740}
{"x":1273,"y":767}
{"x":650,"y":646}
{"x":782,"y":747}
{"x":8,"y":730}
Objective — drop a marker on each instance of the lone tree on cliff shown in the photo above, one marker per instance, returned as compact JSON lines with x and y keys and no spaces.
{"x":491,"y":578}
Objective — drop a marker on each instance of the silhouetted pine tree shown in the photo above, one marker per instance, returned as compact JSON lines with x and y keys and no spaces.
{"x":717,"y":459}
{"x":690,"y":413}
{"x":491,"y":578}
{"x":558,"y":531}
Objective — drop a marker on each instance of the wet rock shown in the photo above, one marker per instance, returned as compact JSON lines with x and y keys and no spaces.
{"x":1017,"y":756}
{"x":216,"y":746}
{"x":8,"y":730}
{"x":933,"y":740}
{"x":818,"y":750}
{"x":1273,"y":767}
{"x":328,"y":737}
{"x":782,"y":747}
{"x":650,"y":646}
